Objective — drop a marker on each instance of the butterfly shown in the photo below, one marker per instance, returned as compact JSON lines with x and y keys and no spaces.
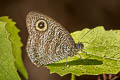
{"x":48,"y":41}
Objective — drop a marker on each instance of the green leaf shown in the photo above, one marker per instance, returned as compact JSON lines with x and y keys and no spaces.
{"x":16,"y":44}
{"x":103,"y":54}
{"x":8,"y":70}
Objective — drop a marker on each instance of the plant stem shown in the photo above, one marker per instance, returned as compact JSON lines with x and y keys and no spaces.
{"x":72,"y":77}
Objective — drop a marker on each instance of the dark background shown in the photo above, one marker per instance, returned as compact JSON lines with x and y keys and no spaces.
{"x":73,"y":14}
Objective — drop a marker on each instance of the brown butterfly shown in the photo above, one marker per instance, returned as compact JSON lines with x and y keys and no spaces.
{"x":48,"y":41}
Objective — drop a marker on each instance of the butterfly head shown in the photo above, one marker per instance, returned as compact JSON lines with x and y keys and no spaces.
{"x":79,"y":46}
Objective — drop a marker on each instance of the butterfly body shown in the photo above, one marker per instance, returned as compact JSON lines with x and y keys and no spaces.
{"x":48,"y":41}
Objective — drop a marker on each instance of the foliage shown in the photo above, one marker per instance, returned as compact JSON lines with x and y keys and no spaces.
{"x":102,"y":56}
{"x":15,"y":44}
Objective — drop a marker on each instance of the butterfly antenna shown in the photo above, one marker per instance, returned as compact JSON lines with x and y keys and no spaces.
{"x":80,"y":45}
{"x":84,"y":35}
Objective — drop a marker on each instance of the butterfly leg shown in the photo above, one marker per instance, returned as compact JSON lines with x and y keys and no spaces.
{"x":66,"y":60}
{"x":83,"y":60}
{"x":83,"y":51}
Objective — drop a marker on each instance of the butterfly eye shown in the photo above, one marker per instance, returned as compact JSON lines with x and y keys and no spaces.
{"x":41,"y":25}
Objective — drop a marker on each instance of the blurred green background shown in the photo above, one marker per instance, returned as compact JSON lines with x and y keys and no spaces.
{"x":72,"y":14}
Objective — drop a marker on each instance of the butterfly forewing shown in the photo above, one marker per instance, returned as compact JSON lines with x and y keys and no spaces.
{"x":48,"y":41}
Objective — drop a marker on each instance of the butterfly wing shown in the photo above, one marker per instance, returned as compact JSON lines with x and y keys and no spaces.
{"x":52,"y":45}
